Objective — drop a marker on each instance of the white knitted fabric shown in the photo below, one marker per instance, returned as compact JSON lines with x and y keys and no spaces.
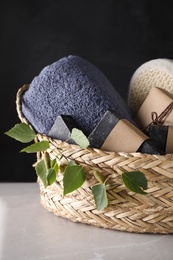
{"x":154,"y":73}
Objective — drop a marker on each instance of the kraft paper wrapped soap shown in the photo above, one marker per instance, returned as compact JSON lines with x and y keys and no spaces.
{"x":75,"y":87}
{"x":157,"y":101}
{"x":161,"y":135}
{"x":119,"y":135}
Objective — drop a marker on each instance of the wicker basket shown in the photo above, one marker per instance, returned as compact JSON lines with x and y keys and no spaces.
{"x":127,"y":211}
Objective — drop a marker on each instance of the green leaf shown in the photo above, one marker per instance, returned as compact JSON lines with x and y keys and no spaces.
{"x":51,"y":176}
{"x":72,"y":163}
{"x":42,"y":172}
{"x":37,"y":147}
{"x":74,"y":177}
{"x":79,"y":137}
{"x":21,"y":132}
{"x":54,"y":165}
{"x":135,"y":181}
{"x":47,"y":160}
{"x":100,"y":196}
{"x":47,"y":176}
{"x":99,"y":177}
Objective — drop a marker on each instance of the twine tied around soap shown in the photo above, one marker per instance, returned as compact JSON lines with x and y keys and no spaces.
{"x":159,"y":120}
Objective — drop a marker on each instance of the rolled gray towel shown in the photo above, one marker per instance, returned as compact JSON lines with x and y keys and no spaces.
{"x":71,"y":86}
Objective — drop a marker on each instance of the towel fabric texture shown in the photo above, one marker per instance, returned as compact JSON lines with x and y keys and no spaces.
{"x":75,"y":87}
{"x":153,"y":73}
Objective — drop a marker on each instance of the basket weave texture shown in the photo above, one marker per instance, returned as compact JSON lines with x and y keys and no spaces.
{"x":127,"y":211}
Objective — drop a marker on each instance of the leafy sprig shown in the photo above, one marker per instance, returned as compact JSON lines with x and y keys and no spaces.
{"x":74,"y":174}
{"x":74,"y":177}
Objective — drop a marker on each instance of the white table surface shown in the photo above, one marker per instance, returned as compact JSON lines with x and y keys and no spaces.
{"x":28,"y":231}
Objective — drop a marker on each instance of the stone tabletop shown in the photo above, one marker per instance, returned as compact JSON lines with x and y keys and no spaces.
{"x":28,"y":231}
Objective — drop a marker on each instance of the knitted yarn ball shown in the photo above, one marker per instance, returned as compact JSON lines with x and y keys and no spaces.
{"x":71,"y":86}
{"x":154,"y":73}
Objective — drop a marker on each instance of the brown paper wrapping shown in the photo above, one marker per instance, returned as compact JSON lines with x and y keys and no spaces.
{"x":169,"y":142}
{"x":156,"y":101}
{"x":124,"y":137}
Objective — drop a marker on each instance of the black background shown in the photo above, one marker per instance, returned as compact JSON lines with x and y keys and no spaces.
{"x":116,"y":36}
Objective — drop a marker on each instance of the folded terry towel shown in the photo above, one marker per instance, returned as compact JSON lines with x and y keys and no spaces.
{"x":71,"y":86}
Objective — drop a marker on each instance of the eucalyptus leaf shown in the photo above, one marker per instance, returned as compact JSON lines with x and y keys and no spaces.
{"x":51,"y":176}
{"x":72,"y":163}
{"x":21,"y":132}
{"x":42,"y":172}
{"x":79,"y":137}
{"x":36,"y":147}
{"x":135,"y":181}
{"x":99,"y":177}
{"x":47,"y":176}
{"x":54,"y":165}
{"x":74,"y":177}
{"x":100,"y":196}
{"x":47,"y":160}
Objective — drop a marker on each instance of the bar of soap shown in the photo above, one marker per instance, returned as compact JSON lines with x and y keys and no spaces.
{"x":157,"y":101}
{"x":161,"y":135}
{"x":119,"y":135}
{"x":150,"y":147}
{"x":62,"y":128}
